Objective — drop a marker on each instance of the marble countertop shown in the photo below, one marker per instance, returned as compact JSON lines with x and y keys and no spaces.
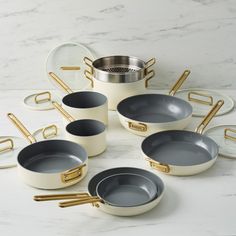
{"x":196,"y":205}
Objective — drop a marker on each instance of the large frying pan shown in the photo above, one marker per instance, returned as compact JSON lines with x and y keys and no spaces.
{"x":92,"y":197}
{"x":50,"y":164}
{"x":146,"y":114}
{"x":179,"y":152}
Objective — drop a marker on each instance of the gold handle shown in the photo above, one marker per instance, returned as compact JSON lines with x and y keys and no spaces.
{"x":89,"y":63}
{"x":88,"y":76}
{"x":49,"y":131}
{"x":149,"y":63}
{"x":60,"y":82}
{"x":209,"y":116}
{"x":38,"y":98}
{"x":179,"y":82}
{"x":227,"y":136}
{"x":21,"y":127}
{"x":70,"y":68}
{"x":63,"y":111}
{"x":150,"y":75}
{"x":158,"y":166}
{"x":72,"y":174}
{"x":197,"y":100}
{"x":137,"y":126}
{"x":51,"y":197}
{"x":9,"y":147}
{"x":80,"y":202}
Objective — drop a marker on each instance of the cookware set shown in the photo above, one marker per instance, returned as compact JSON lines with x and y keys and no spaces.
{"x":118,"y":83}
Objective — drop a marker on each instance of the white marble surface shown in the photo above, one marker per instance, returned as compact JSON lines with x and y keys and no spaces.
{"x":195,"y":34}
{"x":198,"y":205}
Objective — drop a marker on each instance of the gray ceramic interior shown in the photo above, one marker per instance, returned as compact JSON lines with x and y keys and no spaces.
{"x":154,"y":108}
{"x":85,"y":127}
{"x":52,"y":156}
{"x":84,"y":99}
{"x":126,"y":190}
{"x":92,"y":185}
{"x":179,"y":148}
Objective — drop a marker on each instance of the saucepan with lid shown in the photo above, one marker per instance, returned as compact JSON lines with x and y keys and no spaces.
{"x":50,"y":164}
{"x":146,"y":114}
{"x":180,"y":152}
{"x":125,"y":75}
{"x":123,"y":191}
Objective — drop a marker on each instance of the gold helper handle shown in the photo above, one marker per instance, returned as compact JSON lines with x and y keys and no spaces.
{"x":49,"y":131}
{"x":21,"y":127}
{"x":158,"y":166}
{"x":89,"y":76}
{"x":38,"y":97}
{"x":200,"y":128}
{"x":70,"y":68}
{"x":179,"y":82}
{"x":141,"y":127}
{"x":227,"y":136}
{"x":198,"y":100}
{"x":89,"y":63}
{"x":63,"y":111}
{"x":60,"y":82}
{"x":51,"y":197}
{"x":80,"y":202}
{"x":9,"y":147}
{"x":150,"y":75}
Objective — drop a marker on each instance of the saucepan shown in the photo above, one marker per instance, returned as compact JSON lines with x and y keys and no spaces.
{"x":179,"y":152}
{"x":83,"y":104}
{"x":119,"y":77}
{"x":146,"y":114}
{"x":50,"y":164}
{"x":90,"y":134}
{"x":123,"y":191}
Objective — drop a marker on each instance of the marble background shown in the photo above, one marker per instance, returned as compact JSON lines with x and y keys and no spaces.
{"x":196,"y":34}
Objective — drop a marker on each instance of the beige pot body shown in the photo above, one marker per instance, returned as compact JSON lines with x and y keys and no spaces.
{"x":99,"y":113}
{"x":49,"y":180}
{"x":146,"y":129}
{"x":94,"y":144}
{"x":115,"y":92}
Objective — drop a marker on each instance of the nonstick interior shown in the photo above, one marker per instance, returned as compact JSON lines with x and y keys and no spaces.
{"x":154,"y":108}
{"x":84,"y":99}
{"x":52,"y":156}
{"x":179,"y":148}
{"x":98,"y":177}
{"x":126,"y":190}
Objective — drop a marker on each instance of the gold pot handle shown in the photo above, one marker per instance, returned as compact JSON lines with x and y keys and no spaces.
{"x":158,"y":166}
{"x":63,"y":111}
{"x":141,"y":127}
{"x":73,"y":174}
{"x":200,"y":128}
{"x":49,"y":131}
{"x":70,"y":68}
{"x":198,"y":100}
{"x":65,"y":196}
{"x":228,"y":136}
{"x":59,"y":81}
{"x":179,"y":82}
{"x":9,"y":147}
{"x":150,"y":63}
{"x":150,"y":75}
{"x":80,"y":202}
{"x":89,"y":63}
{"x":40,"y":97}
{"x":89,"y":76}
{"x":21,"y":127}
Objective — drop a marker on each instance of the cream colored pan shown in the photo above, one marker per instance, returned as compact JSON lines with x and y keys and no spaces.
{"x":50,"y":164}
{"x":180,"y":152}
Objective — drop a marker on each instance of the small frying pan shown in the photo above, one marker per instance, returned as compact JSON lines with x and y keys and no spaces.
{"x":50,"y":164}
{"x":179,"y":152}
{"x":83,"y":104}
{"x":93,"y":198}
{"x":91,"y":134}
{"x":146,"y":114}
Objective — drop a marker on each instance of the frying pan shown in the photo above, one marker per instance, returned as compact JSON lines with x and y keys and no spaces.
{"x":90,"y":134}
{"x":110,"y":209}
{"x":50,"y":164}
{"x":84,"y":104}
{"x":146,"y":114}
{"x":179,"y":152}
